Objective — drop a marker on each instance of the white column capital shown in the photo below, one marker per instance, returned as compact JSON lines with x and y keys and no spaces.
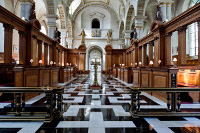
{"x":139,"y":21}
{"x":139,"y":18}
{"x":27,"y":1}
{"x":160,"y":2}
{"x":127,"y":31}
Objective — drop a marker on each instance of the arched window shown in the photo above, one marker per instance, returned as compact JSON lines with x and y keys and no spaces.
{"x":95,"y":24}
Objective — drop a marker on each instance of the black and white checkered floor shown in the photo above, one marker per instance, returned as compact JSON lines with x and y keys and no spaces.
{"x":105,"y":111}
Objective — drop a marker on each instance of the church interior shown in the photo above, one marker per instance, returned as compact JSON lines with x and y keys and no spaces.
{"x":99,"y":66}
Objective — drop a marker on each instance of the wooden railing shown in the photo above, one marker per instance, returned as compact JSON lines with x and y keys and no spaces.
{"x":173,"y":104}
{"x":18,"y":107}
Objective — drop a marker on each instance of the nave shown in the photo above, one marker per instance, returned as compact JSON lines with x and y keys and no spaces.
{"x":103,"y":111}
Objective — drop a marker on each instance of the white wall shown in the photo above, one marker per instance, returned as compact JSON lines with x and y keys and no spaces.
{"x":107,"y":22}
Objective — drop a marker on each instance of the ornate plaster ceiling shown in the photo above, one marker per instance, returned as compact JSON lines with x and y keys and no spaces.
{"x":102,"y":1}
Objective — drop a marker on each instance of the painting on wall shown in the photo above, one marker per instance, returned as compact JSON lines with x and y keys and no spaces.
{"x":15,"y":48}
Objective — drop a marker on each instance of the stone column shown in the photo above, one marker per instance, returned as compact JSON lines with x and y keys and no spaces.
{"x":8,"y":40}
{"x":51,"y":23}
{"x":169,"y":10}
{"x":182,"y":45}
{"x":121,"y":43}
{"x":139,"y":25}
{"x":168,"y":49}
{"x":70,"y":42}
{"x":127,"y":37}
{"x":165,"y":7}
{"x":22,"y":48}
{"x":46,"y":49}
{"x":25,"y":8}
{"x":63,"y":37}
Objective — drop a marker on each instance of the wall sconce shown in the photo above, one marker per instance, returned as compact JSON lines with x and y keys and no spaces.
{"x":151,"y":63}
{"x":120,"y":65}
{"x":131,"y":64}
{"x":135,"y":64}
{"x":51,"y":63}
{"x":70,"y":64}
{"x":159,"y":62}
{"x":67,"y":64}
{"x":40,"y":62}
{"x":175,"y":62}
{"x":114,"y":65}
{"x":123,"y":65}
{"x":140,"y":64}
{"x":31,"y":61}
{"x":54,"y":63}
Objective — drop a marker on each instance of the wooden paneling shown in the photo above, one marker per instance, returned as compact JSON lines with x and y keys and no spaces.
{"x":122,"y":74}
{"x":180,"y":77}
{"x":54,"y":76}
{"x":146,"y":78}
{"x":19,"y":73}
{"x":160,"y":79}
{"x":128,"y":75}
{"x":115,"y":72}
{"x":136,"y":77}
{"x":189,"y":77}
{"x":31,"y":77}
{"x":45,"y":77}
{"x":119,"y":73}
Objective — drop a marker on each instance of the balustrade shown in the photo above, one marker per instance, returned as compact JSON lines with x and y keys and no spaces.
{"x":19,"y":108}
{"x":173,"y":107}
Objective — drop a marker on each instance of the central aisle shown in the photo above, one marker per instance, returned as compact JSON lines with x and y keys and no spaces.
{"x":107,"y":111}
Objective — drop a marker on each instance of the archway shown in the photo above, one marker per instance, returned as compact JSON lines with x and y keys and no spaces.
{"x":90,"y":53}
{"x":129,"y":16}
{"x":95,"y":52}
